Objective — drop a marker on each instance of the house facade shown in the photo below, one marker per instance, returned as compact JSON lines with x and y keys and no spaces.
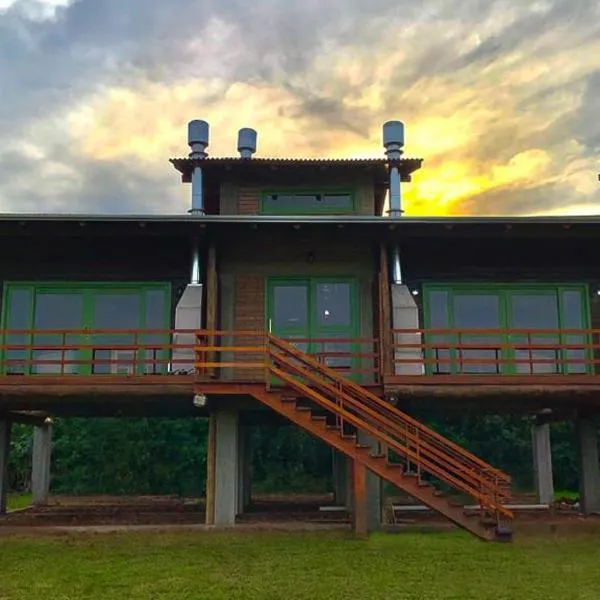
{"x":291,"y":287}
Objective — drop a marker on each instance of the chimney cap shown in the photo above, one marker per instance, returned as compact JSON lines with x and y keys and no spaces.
{"x":198,"y":135}
{"x":393,"y":133}
{"x":247,"y":139}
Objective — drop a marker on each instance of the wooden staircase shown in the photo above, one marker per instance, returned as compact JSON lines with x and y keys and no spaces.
{"x":336,"y":410}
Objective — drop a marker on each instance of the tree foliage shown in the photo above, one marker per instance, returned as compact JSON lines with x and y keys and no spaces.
{"x":168,"y":456}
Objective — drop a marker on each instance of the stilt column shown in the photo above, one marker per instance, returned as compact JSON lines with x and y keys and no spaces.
{"x":41,"y":461}
{"x":589,"y":467}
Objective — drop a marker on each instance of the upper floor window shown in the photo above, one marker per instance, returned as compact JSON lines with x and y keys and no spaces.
{"x":308,"y":202}
{"x":506,"y":328}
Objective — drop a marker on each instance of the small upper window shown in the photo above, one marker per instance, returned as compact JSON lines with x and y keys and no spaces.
{"x":308,"y":203}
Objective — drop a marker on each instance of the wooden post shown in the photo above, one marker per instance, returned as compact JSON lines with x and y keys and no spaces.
{"x":360,"y":498}
{"x":385,"y":315}
{"x":212,"y":301}
{"x":210,"y":469}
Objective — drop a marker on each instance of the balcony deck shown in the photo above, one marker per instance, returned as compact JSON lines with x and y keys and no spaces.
{"x":140,"y":369}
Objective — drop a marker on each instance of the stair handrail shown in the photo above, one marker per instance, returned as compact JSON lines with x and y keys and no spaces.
{"x":392,"y":411}
{"x":487,"y":500}
{"x":435,"y":454}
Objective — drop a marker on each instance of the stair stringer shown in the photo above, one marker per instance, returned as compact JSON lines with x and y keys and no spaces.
{"x":376,"y":464}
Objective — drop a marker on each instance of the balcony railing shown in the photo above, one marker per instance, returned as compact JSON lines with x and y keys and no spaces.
{"x":231,"y":355}
{"x":495,"y":351}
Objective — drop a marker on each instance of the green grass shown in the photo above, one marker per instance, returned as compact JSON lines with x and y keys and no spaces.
{"x":323,"y":565}
{"x":15,"y":501}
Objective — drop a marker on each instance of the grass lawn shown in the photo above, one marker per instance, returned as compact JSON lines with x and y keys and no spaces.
{"x":280,"y":565}
{"x":15,"y":501}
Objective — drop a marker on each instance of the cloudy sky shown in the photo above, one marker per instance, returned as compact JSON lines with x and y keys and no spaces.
{"x":500,"y":97}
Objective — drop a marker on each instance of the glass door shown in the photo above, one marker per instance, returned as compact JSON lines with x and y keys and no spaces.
{"x":55,"y":310}
{"x":314,"y":313}
{"x":483,"y":311}
{"x":120,"y":313}
{"x":334,"y":318}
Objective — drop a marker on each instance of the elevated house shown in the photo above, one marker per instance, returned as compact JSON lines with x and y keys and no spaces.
{"x":291,"y":289}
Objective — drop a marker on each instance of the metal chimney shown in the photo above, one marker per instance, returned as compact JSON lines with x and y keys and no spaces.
{"x":393,"y":141}
{"x":247,"y":142}
{"x":198,"y":132}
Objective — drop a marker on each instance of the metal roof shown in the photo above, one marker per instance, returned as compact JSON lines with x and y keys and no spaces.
{"x":304,"y":219}
{"x":378,"y":166}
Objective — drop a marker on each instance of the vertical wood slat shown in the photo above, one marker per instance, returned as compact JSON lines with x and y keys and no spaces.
{"x":212,"y":301}
{"x":359,"y":482}
{"x":249,"y":315}
{"x":386,"y":339}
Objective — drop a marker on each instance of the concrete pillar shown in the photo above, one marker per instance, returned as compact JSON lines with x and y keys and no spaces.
{"x":542,"y":462}
{"x":589,"y":466}
{"x":41,"y":461}
{"x":340,"y":478}
{"x":405,"y":315}
{"x":5,"y":426}
{"x":374,"y":486}
{"x":188,"y":315}
{"x":244,"y":466}
{"x":226,"y":467}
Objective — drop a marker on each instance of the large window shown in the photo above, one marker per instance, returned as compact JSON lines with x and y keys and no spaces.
{"x":307,"y":202}
{"x":511,"y":325}
{"x":318,"y":311}
{"x":119,"y":310}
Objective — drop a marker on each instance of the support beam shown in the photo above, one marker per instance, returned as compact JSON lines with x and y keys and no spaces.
{"x":226,"y":467}
{"x":542,"y":462}
{"x":360,"y":499}
{"x":210,"y":469}
{"x":5,"y":427}
{"x":340,"y":478}
{"x":41,"y":462}
{"x":373,"y":486}
{"x":212,"y":301}
{"x":586,"y":430}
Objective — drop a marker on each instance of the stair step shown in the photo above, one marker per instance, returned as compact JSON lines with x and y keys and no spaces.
{"x":348,"y":436}
{"x":304,"y":408}
{"x":363,"y":447}
{"x":319,"y":418}
{"x":334,"y":427}
{"x":289,"y":399}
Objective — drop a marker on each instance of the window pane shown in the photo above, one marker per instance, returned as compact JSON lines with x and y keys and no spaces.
{"x":290,"y":306}
{"x":572,"y":318}
{"x":534,"y":311}
{"x":478,"y":311}
{"x":334,"y":304}
{"x":19,"y":317}
{"x":154,"y":357}
{"x":56,"y":311}
{"x":438,"y":319}
{"x":308,"y":202}
{"x":572,"y":313}
{"x":115,"y":311}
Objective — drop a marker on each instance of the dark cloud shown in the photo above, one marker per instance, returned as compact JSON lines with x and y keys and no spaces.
{"x":48,"y":66}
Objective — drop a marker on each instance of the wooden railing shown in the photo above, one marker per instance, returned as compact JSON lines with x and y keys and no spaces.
{"x":421,"y":450}
{"x":232,"y":355}
{"x":495,"y":351}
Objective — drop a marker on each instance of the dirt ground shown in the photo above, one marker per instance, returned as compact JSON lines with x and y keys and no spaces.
{"x":294,"y":511}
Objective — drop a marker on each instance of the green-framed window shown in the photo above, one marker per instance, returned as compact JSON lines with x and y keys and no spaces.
{"x":316,"y":309}
{"x":311,"y":201}
{"x":86,"y":307}
{"x":536,"y":307}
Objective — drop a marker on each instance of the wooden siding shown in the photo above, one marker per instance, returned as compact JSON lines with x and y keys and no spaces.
{"x":249,"y":315}
{"x":239,"y":198}
{"x":248,"y":201}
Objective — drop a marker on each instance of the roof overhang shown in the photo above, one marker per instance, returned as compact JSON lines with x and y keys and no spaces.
{"x":381,"y":228}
